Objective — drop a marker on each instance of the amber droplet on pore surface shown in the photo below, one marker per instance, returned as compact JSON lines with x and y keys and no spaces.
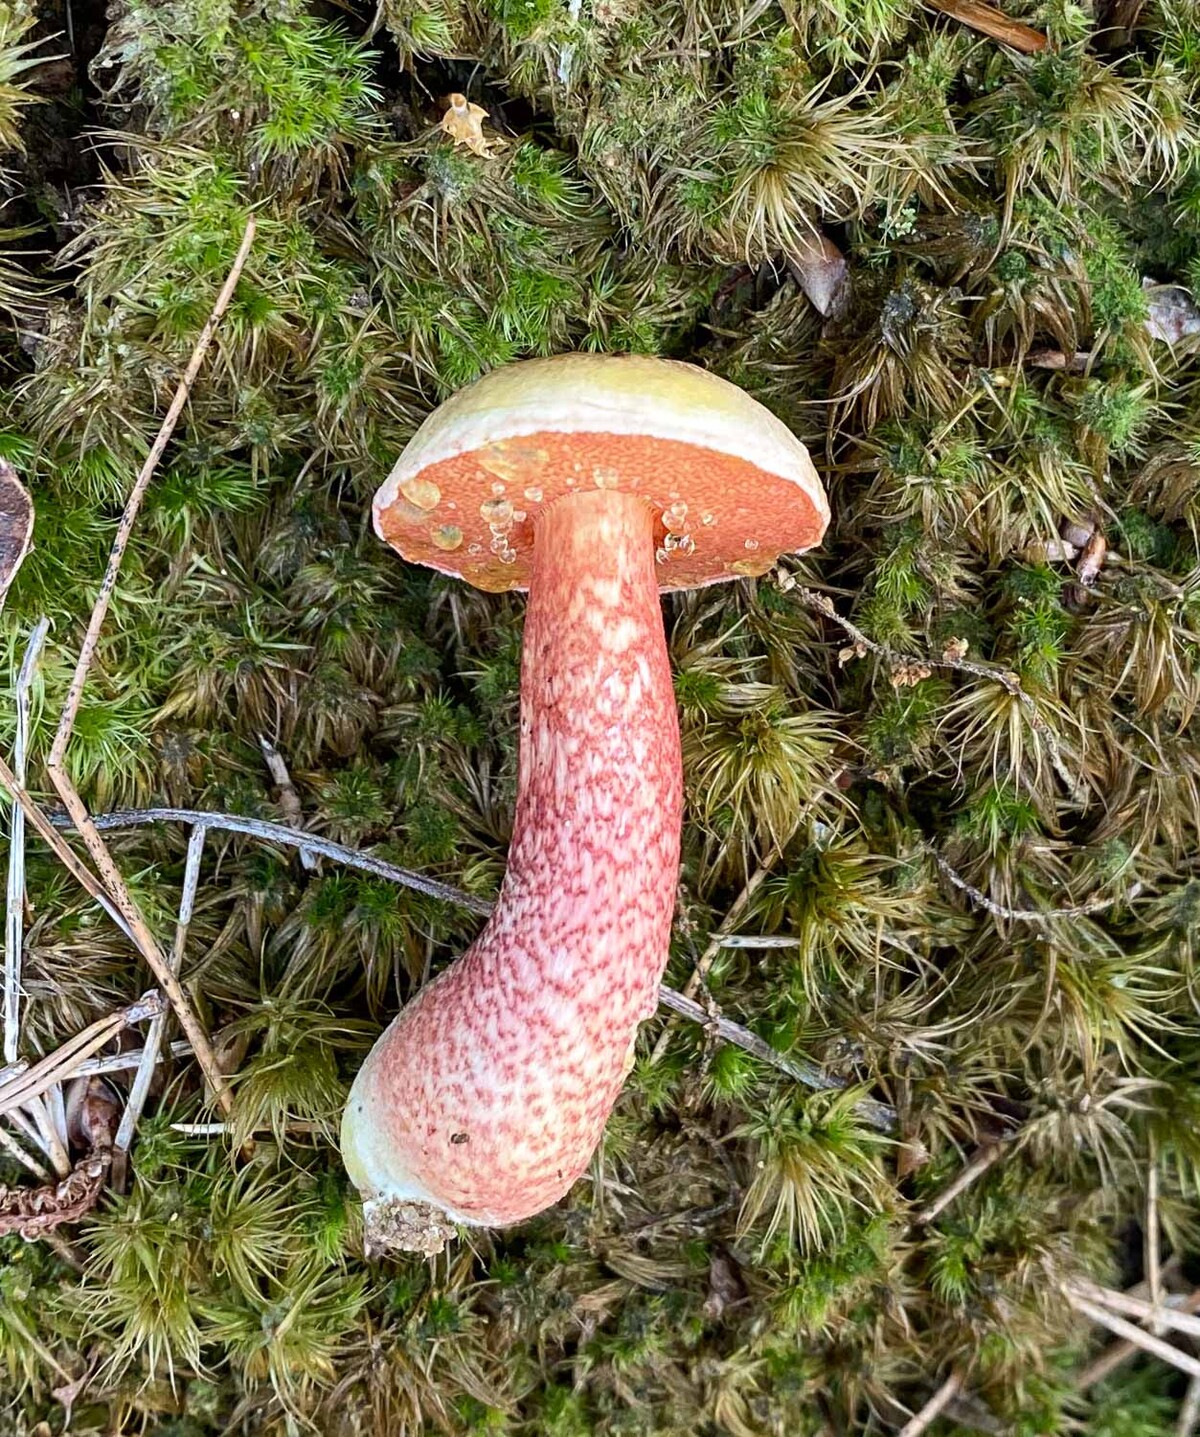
{"x":594,"y":482}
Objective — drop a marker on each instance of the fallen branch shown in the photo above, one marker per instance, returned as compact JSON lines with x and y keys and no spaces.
{"x":1025,"y":915}
{"x":1145,"y":1310}
{"x":1121,"y":1352}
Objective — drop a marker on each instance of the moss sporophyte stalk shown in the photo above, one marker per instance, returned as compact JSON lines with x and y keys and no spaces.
{"x":921,"y":1125}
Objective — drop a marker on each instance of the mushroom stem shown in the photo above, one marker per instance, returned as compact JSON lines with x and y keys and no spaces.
{"x":484,"y":1100}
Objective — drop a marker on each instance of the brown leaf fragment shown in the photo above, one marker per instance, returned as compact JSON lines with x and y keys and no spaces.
{"x":1091,"y":561}
{"x":955,"y":650}
{"x":16,"y":524}
{"x":463,"y":122}
{"x":905,"y":675}
{"x":821,"y":272}
{"x":851,"y":651}
{"x":993,"y":23}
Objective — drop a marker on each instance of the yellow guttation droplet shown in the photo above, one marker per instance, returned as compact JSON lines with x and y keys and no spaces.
{"x":512,"y":459}
{"x":424,"y":493}
{"x":449,"y":536}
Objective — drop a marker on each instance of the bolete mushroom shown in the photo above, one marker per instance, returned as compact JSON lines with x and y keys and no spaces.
{"x":592,"y":481}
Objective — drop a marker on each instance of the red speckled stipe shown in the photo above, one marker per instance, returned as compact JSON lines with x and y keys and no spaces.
{"x":489,"y":1093}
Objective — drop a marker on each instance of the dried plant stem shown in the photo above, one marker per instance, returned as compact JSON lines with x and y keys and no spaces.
{"x":1010,"y":682}
{"x":933,"y":1408}
{"x":56,"y":762}
{"x":289,"y":798}
{"x":877,"y":1113}
{"x":16,"y":1151}
{"x":14,"y":912}
{"x":110,"y":1063}
{"x":1155,"y":1313}
{"x":296,"y":838}
{"x":979,"y":1164}
{"x":1145,"y":1340}
{"x":1121,"y":1352}
{"x":1023,"y":915}
{"x":713,"y":947}
{"x":993,"y":23}
{"x":31,"y":1081}
{"x":140,"y":1088}
{"x":1189,"y":1410}
{"x":1150,"y":1245}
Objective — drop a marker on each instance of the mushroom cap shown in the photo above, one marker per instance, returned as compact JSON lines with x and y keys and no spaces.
{"x":732,"y":486}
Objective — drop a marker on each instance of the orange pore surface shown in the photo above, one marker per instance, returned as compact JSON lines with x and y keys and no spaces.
{"x":719,"y":517}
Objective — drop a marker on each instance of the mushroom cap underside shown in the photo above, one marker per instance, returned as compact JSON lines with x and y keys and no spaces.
{"x":731,"y":486}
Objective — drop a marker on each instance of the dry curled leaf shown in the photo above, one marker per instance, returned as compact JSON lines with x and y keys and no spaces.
{"x":956,"y":650}
{"x":1091,"y":561}
{"x":463,"y":122}
{"x":851,"y":651}
{"x":33,"y":1212}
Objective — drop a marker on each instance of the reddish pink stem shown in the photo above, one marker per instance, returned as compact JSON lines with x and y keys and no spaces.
{"x":488,"y":1094}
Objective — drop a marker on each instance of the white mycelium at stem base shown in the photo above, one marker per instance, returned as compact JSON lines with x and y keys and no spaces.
{"x":484,"y":1100}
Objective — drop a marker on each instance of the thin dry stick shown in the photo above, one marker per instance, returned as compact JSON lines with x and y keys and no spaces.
{"x":296,"y":838}
{"x":1007,"y":680}
{"x":1145,"y":1340}
{"x":56,"y":763}
{"x":140,"y":1089}
{"x":878,"y":1113}
{"x":110,"y":1063}
{"x":15,"y":1150}
{"x":994,"y":24}
{"x":289,"y":798}
{"x":56,"y":1067}
{"x":14,"y":913}
{"x":1150,"y":1244}
{"x":713,"y":947}
{"x":1189,"y":1410}
{"x":1121,"y":1352}
{"x":976,"y":1168}
{"x":933,"y":1408}
{"x":1026,"y":915}
{"x":1157,"y":1313}
{"x":60,"y":848}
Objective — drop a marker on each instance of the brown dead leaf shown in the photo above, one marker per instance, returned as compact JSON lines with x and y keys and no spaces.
{"x":904,"y":676}
{"x":956,"y":650}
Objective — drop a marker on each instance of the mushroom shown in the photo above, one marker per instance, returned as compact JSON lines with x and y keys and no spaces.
{"x":592,"y":481}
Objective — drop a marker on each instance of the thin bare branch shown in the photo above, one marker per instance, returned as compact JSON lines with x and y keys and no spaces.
{"x":898,"y":664}
{"x":289,"y":798}
{"x":1026,"y":915}
{"x":16,"y":1151}
{"x":979,"y":1164}
{"x":1145,"y":1340}
{"x":879,"y":1114}
{"x":30,"y":1081}
{"x":1151,"y":1253}
{"x":14,"y":911}
{"x":140,"y":1088}
{"x":713,"y":947}
{"x":56,"y":763}
{"x":1156,"y":1313}
{"x":1189,"y":1410}
{"x":933,"y":1408}
{"x":1121,"y":1352}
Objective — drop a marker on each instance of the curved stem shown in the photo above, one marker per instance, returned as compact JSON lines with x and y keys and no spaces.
{"x":488,"y":1094}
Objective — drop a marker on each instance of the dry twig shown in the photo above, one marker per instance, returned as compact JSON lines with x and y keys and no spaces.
{"x":979,"y":1164}
{"x":877,"y":1113}
{"x":898,"y":665}
{"x":1145,"y":1340}
{"x":56,"y":762}
{"x":933,"y":1408}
